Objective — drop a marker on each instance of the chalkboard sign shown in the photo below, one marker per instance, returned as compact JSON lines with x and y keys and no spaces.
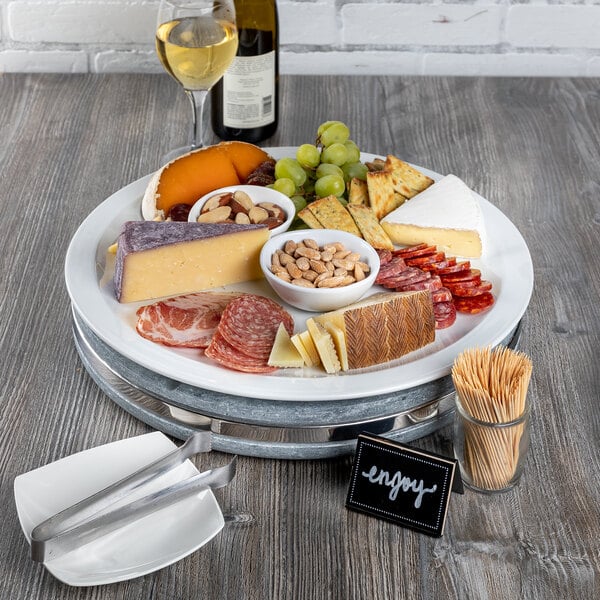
{"x":398,"y":483}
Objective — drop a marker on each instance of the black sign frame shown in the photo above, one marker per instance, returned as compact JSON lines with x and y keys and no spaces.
{"x":401,"y":484}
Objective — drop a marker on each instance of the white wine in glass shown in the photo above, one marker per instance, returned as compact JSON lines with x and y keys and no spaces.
{"x":196,"y":40}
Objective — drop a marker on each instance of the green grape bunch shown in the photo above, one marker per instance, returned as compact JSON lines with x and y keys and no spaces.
{"x":321,"y":169}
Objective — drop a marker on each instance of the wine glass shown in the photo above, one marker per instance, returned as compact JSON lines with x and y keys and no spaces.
{"x":196,"y":40}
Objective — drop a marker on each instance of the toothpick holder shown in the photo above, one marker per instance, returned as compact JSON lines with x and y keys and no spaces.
{"x":491,"y":456}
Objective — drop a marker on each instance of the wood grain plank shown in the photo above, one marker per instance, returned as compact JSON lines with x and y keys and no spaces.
{"x":529,"y":145}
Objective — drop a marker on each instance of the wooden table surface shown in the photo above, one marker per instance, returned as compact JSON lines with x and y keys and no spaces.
{"x":530,"y":146}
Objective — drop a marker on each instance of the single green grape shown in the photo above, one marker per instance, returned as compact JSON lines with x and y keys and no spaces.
{"x":323,"y":126}
{"x":336,"y":154}
{"x":337,"y":132}
{"x":328,"y":169}
{"x":355,"y":169}
{"x":308,"y":155}
{"x":285,"y":185}
{"x":290,"y":168}
{"x":330,"y":185}
{"x":299,"y":202}
{"x":353,"y":151}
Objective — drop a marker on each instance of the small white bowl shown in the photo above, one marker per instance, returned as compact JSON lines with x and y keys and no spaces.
{"x":320,"y":299}
{"x":258,"y":194}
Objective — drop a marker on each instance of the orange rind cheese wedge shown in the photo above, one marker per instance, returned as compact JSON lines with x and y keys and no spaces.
{"x":187,"y":178}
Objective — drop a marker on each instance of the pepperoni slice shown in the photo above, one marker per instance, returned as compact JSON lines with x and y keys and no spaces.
{"x":415,"y":251}
{"x":442,"y":264}
{"x":445,"y":314}
{"x":426,"y":260}
{"x":474,"y":305}
{"x":409,"y":249}
{"x":221,"y":351}
{"x":468,"y":291}
{"x":458,"y":267}
{"x":470,"y":275}
{"x":250,"y":323}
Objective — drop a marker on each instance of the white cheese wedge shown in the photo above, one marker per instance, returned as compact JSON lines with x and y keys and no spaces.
{"x":324,"y":345}
{"x":447,"y":215}
{"x":284,"y":354}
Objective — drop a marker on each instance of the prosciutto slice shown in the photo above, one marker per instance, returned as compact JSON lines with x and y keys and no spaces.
{"x":188,"y":321}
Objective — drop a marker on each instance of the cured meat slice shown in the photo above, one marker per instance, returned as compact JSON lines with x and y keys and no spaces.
{"x":457,"y":267}
{"x":474,"y":305}
{"x":445,"y":314}
{"x":249,"y":323}
{"x":441,"y":295}
{"x":384,"y":256}
{"x":394,"y":266}
{"x":429,"y":259}
{"x":416,"y":250}
{"x":468,"y":291}
{"x":410,"y":275}
{"x":221,"y":351}
{"x":187,"y":321}
{"x":468,"y":275}
{"x":431,"y":284}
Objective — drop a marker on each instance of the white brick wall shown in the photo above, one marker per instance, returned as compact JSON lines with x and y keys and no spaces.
{"x":437,"y":37}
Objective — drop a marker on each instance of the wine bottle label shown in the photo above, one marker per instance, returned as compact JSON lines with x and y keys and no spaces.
{"x":249,"y":91}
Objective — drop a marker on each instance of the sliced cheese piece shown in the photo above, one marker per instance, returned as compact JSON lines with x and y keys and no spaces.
{"x":156,"y":259}
{"x":310,"y":347}
{"x":324,"y":345}
{"x":284,"y":354}
{"x":384,"y":326}
{"x":447,"y":215}
{"x":297,"y":342}
{"x":339,"y":341}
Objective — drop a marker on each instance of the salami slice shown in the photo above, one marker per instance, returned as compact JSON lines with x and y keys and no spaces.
{"x":468,"y":291}
{"x":249,"y":323}
{"x":187,"y":321}
{"x":416,"y":250}
{"x":431,"y":284}
{"x":442,"y":264}
{"x":394,"y":266}
{"x":410,"y":275}
{"x":419,"y":261}
{"x":441,"y":295}
{"x":221,"y":351}
{"x":457,"y":267}
{"x":468,"y":275}
{"x":474,"y":305}
{"x":384,"y":256}
{"x":445,"y":314}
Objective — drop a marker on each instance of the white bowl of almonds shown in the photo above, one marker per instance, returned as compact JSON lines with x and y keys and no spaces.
{"x":245,"y":204}
{"x":319,"y":270}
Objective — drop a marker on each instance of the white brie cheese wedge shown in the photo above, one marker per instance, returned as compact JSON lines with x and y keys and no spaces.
{"x":447,"y":214}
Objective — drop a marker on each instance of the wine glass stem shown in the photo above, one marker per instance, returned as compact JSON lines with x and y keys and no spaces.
{"x":197,"y":98}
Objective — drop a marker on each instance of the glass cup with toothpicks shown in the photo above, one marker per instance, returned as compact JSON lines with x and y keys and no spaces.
{"x":492,"y":419}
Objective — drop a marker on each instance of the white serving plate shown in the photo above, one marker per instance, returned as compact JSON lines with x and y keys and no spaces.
{"x":506,"y":263}
{"x":141,"y":547}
